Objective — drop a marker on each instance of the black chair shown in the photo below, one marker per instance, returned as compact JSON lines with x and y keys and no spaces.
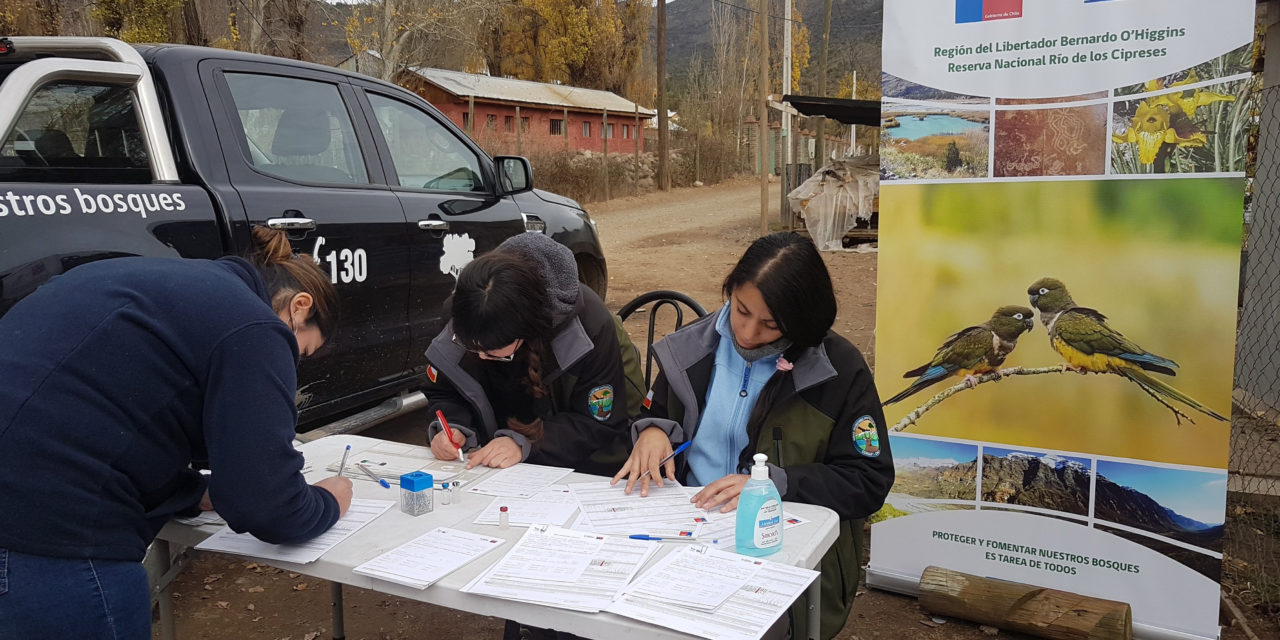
{"x":659,"y":299}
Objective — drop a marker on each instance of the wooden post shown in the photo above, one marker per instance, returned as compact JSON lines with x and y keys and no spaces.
{"x":1046,"y":613}
{"x":604,"y":135}
{"x":664,"y":165}
{"x":761,"y":146}
{"x":635,"y":134}
{"x":519,"y":138}
{"x":471,"y":116}
{"x":565,"y":128}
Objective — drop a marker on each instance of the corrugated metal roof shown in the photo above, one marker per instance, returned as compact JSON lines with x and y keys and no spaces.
{"x":487,"y":87}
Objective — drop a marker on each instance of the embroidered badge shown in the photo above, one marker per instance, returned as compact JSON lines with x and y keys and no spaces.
{"x":600,"y":402}
{"x":865,"y":437}
{"x":432,"y":373}
{"x":648,"y":400}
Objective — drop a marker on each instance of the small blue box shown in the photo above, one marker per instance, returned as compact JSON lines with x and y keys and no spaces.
{"x":416,"y":481}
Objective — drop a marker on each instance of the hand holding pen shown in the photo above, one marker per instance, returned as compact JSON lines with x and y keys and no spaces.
{"x":440,"y":452}
{"x":646,"y":457}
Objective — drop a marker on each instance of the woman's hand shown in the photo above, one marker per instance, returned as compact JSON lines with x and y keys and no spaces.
{"x":340,"y":487}
{"x":725,"y":490}
{"x":206,"y":503}
{"x":500,"y":453}
{"x":442,"y":449}
{"x":649,"y":450}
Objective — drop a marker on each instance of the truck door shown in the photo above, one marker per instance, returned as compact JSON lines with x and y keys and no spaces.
{"x":299,"y":154}
{"x":446,"y":186}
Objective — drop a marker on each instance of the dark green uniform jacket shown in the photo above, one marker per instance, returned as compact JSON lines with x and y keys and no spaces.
{"x":834,"y":447}
{"x":585,"y":415}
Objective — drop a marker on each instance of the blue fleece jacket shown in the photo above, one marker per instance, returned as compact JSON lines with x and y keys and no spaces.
{"x":115,"y":376}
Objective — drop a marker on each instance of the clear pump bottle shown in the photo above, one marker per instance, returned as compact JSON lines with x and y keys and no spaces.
{"x":758,"y":530}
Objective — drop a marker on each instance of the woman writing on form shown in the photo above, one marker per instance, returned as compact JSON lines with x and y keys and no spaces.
{"x":765,"y":374}
{"x":117,"y":376}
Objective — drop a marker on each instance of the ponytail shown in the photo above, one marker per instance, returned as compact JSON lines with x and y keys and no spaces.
{"x":287,"y":274}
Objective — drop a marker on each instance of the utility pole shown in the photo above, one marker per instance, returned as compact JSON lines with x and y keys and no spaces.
{"x":664,"y":168}
{"x":819,"y":145}
{"x":786,"y":80}
{"x":762,"y":138}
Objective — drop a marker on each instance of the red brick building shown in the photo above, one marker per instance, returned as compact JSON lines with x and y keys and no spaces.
{"x":518,"y":116}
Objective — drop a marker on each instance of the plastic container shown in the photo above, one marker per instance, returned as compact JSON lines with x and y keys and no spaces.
{"x":446,"y":493}
{"x":415,"y":493}
{"x":758,"y":531}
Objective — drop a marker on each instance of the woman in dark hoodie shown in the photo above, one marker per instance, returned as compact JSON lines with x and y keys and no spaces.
{"x":529,"y":367}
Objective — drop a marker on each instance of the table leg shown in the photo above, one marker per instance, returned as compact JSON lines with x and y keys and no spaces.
{"x":813,"y":595}
{"x":164,"y":599}
{"x":339,"y":626}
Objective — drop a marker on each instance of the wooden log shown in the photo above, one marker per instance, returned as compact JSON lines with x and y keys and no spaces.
{"x":1038,"y":611}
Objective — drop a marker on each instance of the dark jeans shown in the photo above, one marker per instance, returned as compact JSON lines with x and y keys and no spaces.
{"x":513,"y":632}
{"x":43,"y":597}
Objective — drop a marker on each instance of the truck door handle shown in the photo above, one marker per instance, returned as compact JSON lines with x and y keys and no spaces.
{"x":433,"y":225}
{"x":291,"y":224}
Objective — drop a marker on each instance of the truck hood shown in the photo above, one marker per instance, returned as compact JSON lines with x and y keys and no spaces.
{"x":532,"y":201}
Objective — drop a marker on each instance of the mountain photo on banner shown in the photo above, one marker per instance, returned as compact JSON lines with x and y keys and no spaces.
{"x":930,"y":475}
{"x":1155,"y":260}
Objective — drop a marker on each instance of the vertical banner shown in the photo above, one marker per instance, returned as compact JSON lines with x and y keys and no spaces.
{"x":1060,"y":225}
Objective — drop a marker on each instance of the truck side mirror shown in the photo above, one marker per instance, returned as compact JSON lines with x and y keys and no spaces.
{"x":515,"y":174}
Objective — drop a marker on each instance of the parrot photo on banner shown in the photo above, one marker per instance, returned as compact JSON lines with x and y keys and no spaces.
{"x":973,"y":350}
{"x":1081,"y":336}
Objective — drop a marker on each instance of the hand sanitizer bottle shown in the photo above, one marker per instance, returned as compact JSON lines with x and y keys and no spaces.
{"x":759,"y":521}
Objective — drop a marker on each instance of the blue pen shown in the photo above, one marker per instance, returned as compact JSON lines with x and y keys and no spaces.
{"x":372,"y":476}
{"x":343,"y":465}
{"x":664,"y":460}
{"x":641,"y":536}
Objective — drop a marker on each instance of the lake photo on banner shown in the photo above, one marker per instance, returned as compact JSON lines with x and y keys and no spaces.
{"x":911,"y":127}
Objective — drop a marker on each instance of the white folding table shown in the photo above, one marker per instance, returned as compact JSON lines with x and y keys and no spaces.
{"x":803,"y":546}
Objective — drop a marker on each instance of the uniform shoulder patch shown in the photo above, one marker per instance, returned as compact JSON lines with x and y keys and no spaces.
{"x":866,"y":439}
{"x":600,"y":402}
{"x":432,"y":374}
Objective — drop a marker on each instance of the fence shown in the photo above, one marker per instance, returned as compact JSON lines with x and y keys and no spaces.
{"x":1251,"y":566}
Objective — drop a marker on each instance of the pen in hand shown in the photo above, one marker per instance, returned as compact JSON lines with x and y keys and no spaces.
{"x":372,"y":476}
{"x":664,"y":460}
{"x":343,"y":465}
{"x":462,"y":455}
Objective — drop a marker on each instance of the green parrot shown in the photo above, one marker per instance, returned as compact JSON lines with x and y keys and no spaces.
{"x":1082,"y":337}
{"x":972,"y":350}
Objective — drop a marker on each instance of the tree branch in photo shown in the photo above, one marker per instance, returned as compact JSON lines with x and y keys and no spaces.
{"x":911,"y":418}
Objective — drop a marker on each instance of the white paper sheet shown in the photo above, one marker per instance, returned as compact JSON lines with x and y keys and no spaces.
{"x":554,"y":506}
{"x":523,"y":480}
{"x":205,"y":517}
{"x":613,"y":565}
{"x":720,"y":529}
{"x":390,"y":460}
{"x":698,"y":577}
{"x":665,"y":512}
{"x":431,"y":556}
{"x":362,"y":512}
{"x":746,"y":615}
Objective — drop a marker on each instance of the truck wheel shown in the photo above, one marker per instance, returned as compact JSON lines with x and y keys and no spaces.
{"x":591,"y":273}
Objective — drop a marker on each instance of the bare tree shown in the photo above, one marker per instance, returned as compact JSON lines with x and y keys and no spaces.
{"x":403,"y":33}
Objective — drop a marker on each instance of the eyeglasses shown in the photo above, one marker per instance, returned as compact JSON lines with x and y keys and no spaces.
{"x":488,"y":355}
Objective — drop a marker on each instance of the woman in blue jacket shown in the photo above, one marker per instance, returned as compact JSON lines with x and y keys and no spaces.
{"x":114,"y":378}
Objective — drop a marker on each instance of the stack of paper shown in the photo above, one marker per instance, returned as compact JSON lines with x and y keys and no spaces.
{"x":205,"y":517}
{"x":360,"y":513}
{"x":666,"y":512}
{"x":554,"y":506}
{"x":523,"y":480}
{"x":426,"y":559}
{"x":567,"y":569}
{"x":676,"y":592}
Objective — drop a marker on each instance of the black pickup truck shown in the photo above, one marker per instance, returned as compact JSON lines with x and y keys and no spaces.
{"x":109,"y":149}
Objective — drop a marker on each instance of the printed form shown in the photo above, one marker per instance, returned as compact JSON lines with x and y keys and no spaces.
{"x":523,"y":480}
{"x":600,"y":567}
{"x":554,"y":506}
{"x":360,"y":513}
{"x":431,"y":556}
{"x":665,"y":512}
{"x":746,"y":615}
{"x":696,"y":577}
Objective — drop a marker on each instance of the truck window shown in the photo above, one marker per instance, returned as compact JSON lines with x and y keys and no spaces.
{"x":77,"y":132}
{"x":426,"y":155}
{"x":297,"y":129}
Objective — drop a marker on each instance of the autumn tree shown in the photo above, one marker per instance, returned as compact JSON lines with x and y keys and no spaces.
{"x":135,"y":20}
{"x":403,"y":33}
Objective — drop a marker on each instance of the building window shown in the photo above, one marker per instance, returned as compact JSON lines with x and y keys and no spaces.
{"x":608,"y":131}
{"x":557,"y":127}
{"x":509,"y":123}
{"x":491,"y":122}
{"x":586,"y":129}
{"x":524,"y":124}
{"x":466,"y":120}
{"x":626,"y":132}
